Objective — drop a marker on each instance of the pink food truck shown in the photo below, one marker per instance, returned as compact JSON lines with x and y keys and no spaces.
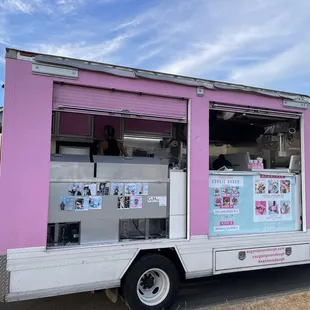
{"x":132,"y":180}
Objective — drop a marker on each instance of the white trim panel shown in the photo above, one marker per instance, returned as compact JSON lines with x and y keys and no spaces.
{"x":79,"y":269}
{"x":55,"y":71}
{"x":61,"y":291}
{"x":253,"y":258}
{"x":50,"y":270}
{"x":303,"y":174}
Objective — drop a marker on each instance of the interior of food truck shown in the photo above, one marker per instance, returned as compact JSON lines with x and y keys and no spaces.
{"x":255,"y":170}
{"x":243,"y":134}
{"x":97,"y":198}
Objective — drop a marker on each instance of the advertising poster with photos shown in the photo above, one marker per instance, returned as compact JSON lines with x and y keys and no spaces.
{"x":103,"y":189}
{"x":71,"y":203}
{"x":132,"y":189}
{"x":130,"y":194}
{"x":226,"y":192}
{"x":81,"y":197}
{"x":272,"y":198}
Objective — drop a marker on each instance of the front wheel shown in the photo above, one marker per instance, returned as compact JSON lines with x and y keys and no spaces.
{"x":152,"y":282}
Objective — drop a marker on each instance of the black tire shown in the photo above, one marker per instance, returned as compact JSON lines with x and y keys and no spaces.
{"x":130,"y":281}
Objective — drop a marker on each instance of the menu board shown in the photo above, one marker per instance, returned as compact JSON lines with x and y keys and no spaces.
{"x":251,"y":204}
{"x":272,"y":198}
{"x":226,"y":192}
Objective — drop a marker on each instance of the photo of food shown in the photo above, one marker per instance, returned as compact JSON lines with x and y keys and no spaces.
{"x":260,"y":207}
{"x":216,"y":192}
{"x":235,"y":191}
{"x":226,"y":201}
{"x":285,"y":207}
{"x":273,"y":207}
{"x":226,"y":190}
{"x":285,"y":186}
{"x":235,"y":201}
{"x":260,"y":187}
{"x":218,"y":202}
{"x":273,"y":187}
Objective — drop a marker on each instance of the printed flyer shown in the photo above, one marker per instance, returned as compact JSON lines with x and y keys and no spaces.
{"x":226,"y":192}
{"x":142,"y":188}
{"x":82,"y":189}
{"x":103,"y":189}
{"x":123,"y":203}
{"x":272,"y":198}
{"x":76,"y":189}
{"x":95,"y":202}
{"x":253,"y":203}
{"x":66,"y":203}
{"x":135,"y":202}
{"x":81,"y":204}
{"x":130,"y":189}
{"x":117,"y":189}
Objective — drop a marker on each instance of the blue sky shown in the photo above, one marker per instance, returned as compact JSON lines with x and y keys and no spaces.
{"x":264,"y":43}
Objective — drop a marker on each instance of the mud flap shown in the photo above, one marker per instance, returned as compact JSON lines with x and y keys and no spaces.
{"x":112,"y":294}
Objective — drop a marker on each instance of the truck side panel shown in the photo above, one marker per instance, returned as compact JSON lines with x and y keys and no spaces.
{"x":24,"y":181}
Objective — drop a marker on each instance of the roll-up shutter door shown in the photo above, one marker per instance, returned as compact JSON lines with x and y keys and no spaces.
{"x":254,"y":111}
{"x":82,"y":99}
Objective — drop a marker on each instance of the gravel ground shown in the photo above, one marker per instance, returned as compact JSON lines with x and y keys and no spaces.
{"x":298,"y":301}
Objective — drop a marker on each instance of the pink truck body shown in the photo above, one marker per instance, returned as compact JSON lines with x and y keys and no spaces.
{"x":29,"y":102}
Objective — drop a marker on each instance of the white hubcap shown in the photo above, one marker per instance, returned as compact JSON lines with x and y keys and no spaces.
{"x":153,"y":287}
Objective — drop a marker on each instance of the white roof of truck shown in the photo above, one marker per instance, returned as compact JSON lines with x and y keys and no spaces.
{"x":148,"y":74}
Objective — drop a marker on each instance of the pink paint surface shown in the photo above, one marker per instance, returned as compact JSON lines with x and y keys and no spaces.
{"x":103,"y":99}
{"x":24,"y":181}
{"x":139,"y":125}
{"x":75,"y":124}
{"x":100,"y":121}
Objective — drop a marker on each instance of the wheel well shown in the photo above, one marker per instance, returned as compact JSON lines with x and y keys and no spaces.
{"x":169,"y":253}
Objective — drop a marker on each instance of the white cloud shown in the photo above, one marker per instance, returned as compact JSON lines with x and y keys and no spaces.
{"x":289,"y":63}
{"x":132,"y":23}
{"x":83,"y":50}
{"x":27,"y":7}
{"x":67,"y":6}
{"x":206,"y":39}
{"x":205,"y":55}
{"x":45,"y":6}
{"x":259,"y":42}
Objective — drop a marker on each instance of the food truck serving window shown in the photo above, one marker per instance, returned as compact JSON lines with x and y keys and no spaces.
{"x":87,"y":99}
{"x":254,"y":111}
{"x":261,"y":190}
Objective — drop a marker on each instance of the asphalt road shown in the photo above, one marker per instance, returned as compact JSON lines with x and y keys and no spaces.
{"x":194,"y":294}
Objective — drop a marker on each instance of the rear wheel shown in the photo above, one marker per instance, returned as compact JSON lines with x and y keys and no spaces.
{"x":152,"y":282}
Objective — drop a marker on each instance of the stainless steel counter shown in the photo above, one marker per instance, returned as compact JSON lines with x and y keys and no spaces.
{"x":102,"y":225}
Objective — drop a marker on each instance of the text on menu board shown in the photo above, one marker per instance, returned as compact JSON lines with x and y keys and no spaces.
{"x":251,"y":204}
{"x":226,"y":193}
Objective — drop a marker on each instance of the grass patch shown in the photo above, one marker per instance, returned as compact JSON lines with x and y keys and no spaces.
{"x":288,"y":302}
